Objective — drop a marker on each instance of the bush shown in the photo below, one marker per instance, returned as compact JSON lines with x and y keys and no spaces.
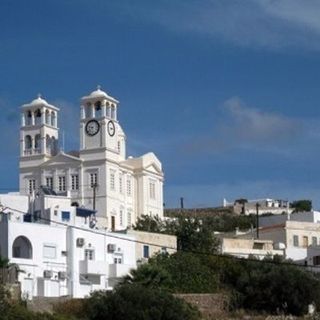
{"x":135,"y":302}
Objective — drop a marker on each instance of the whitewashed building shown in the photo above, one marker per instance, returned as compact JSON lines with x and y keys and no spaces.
{"x":57,"y":248}
{"x":298,"y":234}
{"x":100,"y":176}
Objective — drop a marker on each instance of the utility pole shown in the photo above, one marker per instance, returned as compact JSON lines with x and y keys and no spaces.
{"x":181,"y":203}
{"x":257,"y":216}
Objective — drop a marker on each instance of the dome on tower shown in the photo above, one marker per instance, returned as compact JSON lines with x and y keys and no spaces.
{"x":99,"y":94}
{"x":38,"y":101}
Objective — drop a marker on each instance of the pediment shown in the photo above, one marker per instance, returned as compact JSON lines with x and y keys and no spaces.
{"x":61,"y":159}
{"x":152,"y":167}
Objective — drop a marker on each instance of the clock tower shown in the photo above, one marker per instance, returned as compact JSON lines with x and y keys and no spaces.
{"x":99,"y":127}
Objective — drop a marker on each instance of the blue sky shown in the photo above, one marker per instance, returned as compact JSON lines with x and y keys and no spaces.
{"x":226,"y":93}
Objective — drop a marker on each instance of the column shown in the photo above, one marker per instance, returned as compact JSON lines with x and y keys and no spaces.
{"x":43,"y":116}
{"x":32,"y":118}
{"x":104,"y":108}
{"x":82,"y":112}
{"x":115,"y":113}
{"x":23,"y":119}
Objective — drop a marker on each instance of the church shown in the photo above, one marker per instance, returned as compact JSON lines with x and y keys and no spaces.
{"x":99,"y":176}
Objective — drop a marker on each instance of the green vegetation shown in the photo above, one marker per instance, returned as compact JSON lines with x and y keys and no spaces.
{"x":271,"y":286}
{"x":137,"y":302}
{"x":301,"y":205}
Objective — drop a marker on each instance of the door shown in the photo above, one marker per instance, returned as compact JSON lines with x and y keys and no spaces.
{"x":113,"y":223}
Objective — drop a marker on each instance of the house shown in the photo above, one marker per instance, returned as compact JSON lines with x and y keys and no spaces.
{"x":245,"y":248}
{"x":298,"y":233}
{"x":60,"y":251}
{"x":272,"y":206}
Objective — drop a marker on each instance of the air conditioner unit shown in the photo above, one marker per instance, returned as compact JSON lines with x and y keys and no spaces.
{"x":112,"y":247}
{"x":80,"y":242}
{"x":47,"y":274}
{"x":62,"y":275}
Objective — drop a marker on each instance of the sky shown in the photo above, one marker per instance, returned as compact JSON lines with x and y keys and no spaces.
{"x":225,"y":93}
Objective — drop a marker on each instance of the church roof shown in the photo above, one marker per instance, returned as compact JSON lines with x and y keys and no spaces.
{"x":98,"y":94}
{"x":148,"y":161}
{"x":39,"y":102}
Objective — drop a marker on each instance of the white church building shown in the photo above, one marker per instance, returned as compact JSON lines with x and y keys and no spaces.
{"x":58,"y":227}
{"x":99,"y":176}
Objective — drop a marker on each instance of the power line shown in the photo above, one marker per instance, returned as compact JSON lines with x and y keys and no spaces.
{"x":224,"y":256}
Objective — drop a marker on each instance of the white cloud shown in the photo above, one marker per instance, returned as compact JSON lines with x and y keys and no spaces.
{"x":243,"y":127}
{"x":255,"y":23}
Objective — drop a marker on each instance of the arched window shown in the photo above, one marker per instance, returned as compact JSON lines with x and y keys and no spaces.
{"x":53,"y":119}
{"x":113,"y":112}
{"x":28,"y":142}
{"x":37,"y":115}
{"x":98,"y":109}
{"x":28,"y":117}
{"x":108,"y":110}
{"x":48,"y":118}
{"x":22,"y":248}
{"x":54,"y":146}
{"x":37,"y":142}
{"x":48,"y":144}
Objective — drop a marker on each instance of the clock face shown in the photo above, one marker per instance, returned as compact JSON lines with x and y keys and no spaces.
{"x":111,"y":128}
{"x":92,"y":127}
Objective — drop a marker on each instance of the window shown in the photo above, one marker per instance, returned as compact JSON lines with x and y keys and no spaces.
{"x":117,"y":260}
{"x":65,"y":215}
{"x":49,"y":182}
{"x":74,"y":182}
{"x":37,"y":142}
{"x":89,"y":254}
{"x":314,"y":241}
{"x":93,"y":179}
{"x":164,"y":250}
{"x":129,"y":218}
{"x":152,"y":190}
{"x":28,"y":142}
{"x":316,"y":260}
{"x":62,"y":183}
{"x":22,"y":248}
{"x":32,"y":185}
{"x":305,"y":241}
{"x":121,"y":217}
{"x":146,"y":252}
{"x":49,"y":251}
{"x":119,"y":146}
{"x":295,"y":241}
{"x":98,"y":109}
{"x":129,"y":187}
{"x":112,"y":180}
{"x":120,"y":182}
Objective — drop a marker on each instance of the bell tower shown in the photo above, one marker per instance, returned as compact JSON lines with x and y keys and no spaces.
{"x":38,"y":132}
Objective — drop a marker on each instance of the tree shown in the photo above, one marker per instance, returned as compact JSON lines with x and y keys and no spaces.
{"x":301,"y":205}
{"x":149,"y":224}
{"x":136,"y":302}
{"x":192,"y":234}
{"x":147,"y":275}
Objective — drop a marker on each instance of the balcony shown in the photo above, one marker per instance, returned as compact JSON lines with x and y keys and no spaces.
{"x":93,"y":267}
{"x":117,"y":270}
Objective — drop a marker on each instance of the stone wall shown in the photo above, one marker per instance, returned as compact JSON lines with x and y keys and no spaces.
{"x":211,"y":306}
